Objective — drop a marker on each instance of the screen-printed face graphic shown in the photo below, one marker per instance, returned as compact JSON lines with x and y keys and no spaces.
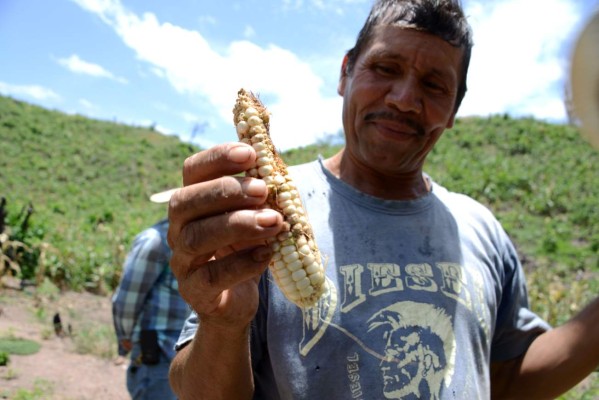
{"x":417,"y":347}
{"x":409,"y":362}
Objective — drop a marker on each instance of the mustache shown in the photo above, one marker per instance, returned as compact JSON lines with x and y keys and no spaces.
{"x":396,"y":117}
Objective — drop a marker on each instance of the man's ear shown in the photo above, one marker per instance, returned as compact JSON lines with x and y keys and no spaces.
{"x":344,"y":65}
{"x":451,"y":121}
{"x":342,"y":76}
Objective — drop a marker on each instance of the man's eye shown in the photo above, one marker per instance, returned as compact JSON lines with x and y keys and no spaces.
{"x":434,"y":86}
{"x":385,"y":69}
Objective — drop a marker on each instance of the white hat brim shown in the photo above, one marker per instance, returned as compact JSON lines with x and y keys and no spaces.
{"x":162,"y":197}
{"x":585,"y":81}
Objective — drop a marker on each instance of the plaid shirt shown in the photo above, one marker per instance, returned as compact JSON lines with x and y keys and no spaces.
{"x":148,"y":297}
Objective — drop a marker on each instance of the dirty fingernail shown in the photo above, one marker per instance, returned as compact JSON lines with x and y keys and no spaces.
{"x":239,"y":154}
{"x":267,"y":218}
{"x":254,"y":187}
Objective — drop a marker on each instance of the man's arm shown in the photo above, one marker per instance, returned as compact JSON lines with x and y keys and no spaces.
{"x":216,"y":364}
{"x":218,"y":233}
{"x":555,"y":361}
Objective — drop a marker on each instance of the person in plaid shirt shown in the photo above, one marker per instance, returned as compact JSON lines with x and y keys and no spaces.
{"x":148,"y":314}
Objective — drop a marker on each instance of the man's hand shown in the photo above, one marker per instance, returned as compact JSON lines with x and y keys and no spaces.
{"x":127,"y":345}
{"x":218,"y":235}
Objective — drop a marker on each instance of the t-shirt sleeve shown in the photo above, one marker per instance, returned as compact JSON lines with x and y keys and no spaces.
{"x":517,"y":325}
{"x":188,"y":331}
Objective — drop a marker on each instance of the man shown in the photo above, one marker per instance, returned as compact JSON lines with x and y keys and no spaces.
{"x":406,"y":260}
{"x":148,"y":313}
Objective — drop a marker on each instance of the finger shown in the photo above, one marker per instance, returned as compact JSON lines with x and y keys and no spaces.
{"x":202,"y":284}
{"x":215,"y":197}
{"x":203,"y":238}
{"x":222,"y":159}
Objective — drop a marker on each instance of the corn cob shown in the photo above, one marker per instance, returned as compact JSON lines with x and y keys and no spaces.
{"x":296,"y":264}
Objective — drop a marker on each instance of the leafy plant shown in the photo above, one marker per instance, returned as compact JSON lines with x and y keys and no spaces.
{"x":20,"y":246}
{"x":9,"y":265}
{"x":4,"y":358}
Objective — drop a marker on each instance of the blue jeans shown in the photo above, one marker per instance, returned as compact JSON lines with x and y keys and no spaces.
{"x":149,"y":382}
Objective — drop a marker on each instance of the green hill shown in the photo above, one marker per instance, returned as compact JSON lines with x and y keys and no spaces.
{"x":88,"y":182}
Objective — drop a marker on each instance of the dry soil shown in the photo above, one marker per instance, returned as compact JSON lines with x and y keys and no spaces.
{"x":57,"y":370}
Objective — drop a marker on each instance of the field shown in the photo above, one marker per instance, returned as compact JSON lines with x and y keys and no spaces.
{"x":76,"y":192}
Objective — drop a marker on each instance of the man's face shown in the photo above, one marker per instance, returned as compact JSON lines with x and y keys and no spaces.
{"x":399,"y":98}
{"x":403,"y":365}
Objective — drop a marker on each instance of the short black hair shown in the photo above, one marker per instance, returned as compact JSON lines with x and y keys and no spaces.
{"x":442,"y":18}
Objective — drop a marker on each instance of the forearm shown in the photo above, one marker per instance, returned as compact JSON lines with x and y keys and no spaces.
{"x":128,"y":303}
{"x":215,"y":365}
{"x":559,"y":359}
{"x":123,"y":326}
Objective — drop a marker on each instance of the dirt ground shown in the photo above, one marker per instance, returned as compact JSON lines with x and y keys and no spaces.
{"x":57,"y":371}
{"x":64,"y":374}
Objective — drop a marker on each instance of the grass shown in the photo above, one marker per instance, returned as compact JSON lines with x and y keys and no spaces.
{"x":19,"y":346}
{"x":42,"y":389}
{"x":95,"y":339}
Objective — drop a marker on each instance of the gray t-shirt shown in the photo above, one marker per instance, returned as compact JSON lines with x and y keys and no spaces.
{"x":423,"y":295}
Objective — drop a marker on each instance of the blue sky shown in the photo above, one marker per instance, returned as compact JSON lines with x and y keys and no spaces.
{"x":177,"y":65}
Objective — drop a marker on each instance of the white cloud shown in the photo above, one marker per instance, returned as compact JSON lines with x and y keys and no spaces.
{"x":79,"y":66}
{"x":33,"y":91}
{"x":192,"y":66}
{"x":518,"y":61}
{"x":87,"y":104}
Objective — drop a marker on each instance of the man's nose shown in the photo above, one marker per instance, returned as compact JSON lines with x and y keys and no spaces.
{"x":404,"y":95}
